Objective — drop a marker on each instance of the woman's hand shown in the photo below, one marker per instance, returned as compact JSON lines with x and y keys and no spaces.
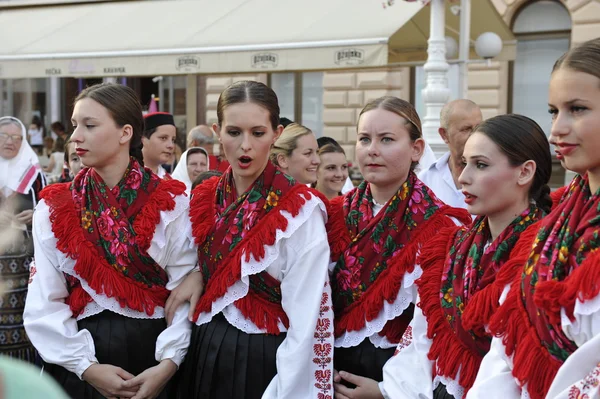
{"x":190,"y":291}
{"x":25,"y":217}
{"x":109,"y":381}
{"x":366,"y":388}
{"x":151,"y":382}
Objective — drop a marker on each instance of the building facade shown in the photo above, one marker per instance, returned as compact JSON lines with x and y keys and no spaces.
{"x":329,"y":101}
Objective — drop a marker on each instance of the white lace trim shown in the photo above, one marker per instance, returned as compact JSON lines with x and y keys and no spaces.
{"x":406,"y":296}
{"x":240,"y":288}
{"x":100,"y":301}
{"x":452,"y":385}
{"x":582,"y":309}
{"x":182,"y":204}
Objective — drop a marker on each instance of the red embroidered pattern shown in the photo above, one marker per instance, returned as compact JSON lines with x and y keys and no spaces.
{"x":586,"y":388}
{"x":323,"y":350}
{"x":406,"y":340}
{"x":32,"y":272}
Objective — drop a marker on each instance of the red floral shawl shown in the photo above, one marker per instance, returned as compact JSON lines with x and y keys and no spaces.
{"x":228,"y":228}
{"x":115,"y":229}
{"x":374,"y":252}
{"x":457,"y":266}
{"x":562,"y":267}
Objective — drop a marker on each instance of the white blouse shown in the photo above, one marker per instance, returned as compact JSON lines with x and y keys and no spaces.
{"x":299,"y":259}
{"x":409,"y":373}
{"x":580,"y":371}
{"x":49,"y":322}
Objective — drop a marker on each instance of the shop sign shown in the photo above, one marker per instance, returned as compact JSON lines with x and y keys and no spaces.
{"x":53,"y":71}
{"x":187,"y":63}
{"x":114,"y":70}
{"x":350,"y":56}
{"x":265,"y":60}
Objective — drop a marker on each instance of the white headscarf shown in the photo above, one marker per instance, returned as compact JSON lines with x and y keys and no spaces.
{"x":19,"y":173}
{"x":181,"y":173}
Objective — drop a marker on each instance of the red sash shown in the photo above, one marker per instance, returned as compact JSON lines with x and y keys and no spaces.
{"x":116,"y":228}
{"x":228,"y":229}
{"x":373,"y":253}
{"x":457,"y":265}
{"x":563,"y":266}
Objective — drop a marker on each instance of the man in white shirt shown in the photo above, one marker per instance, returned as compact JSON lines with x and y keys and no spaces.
{"x":458,"y":118}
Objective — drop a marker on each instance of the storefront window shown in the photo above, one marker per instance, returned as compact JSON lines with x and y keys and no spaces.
{"x":543,"y":30}
{"x":310,"y":110}
{"x":283,"y":84}
{"x":312,"y":101}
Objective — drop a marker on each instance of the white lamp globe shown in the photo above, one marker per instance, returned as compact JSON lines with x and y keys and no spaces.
{"x":451,"y":47}
{"x":488,"y":45}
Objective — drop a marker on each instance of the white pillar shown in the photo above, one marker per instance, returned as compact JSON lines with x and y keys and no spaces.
{"x":171,"y":95}
{"x":9,"y":109}
{"x":55,"y":103}
{"x":464,"y":47}
{"x":161,"y":95}
{"x":109,"y":80}
{"x":436,"y":92}
{"x":191,"y":100}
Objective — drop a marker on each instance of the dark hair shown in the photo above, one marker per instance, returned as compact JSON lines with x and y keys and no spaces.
{"x":285,"y":121}
{"x":582,"y":58}
{"x":124,"y":107}
{"x":36,"y":120}
{"x":249,"y":91}
{"x":521,"y":139}
{"x":331,"y":148}
{"x":205,"y":176}
{"x":321,"y":141}
{"x":401,"y":108}
{"x":149,"y":132}
{"x":58,"y":126}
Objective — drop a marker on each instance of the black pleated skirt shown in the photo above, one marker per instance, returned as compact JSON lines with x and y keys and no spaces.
{"x":441,"y":393}
{"x":120,"y":341}
{"x":365,"y":359}
{"x":226,"y":363}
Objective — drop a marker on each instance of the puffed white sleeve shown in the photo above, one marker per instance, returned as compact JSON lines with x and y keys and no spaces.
{"x":494,"y":379}
{"x":180,"y":257}
{"x":48,"y":321}
{"x":579,"y":376}
{"x":305,"y":357}
{"x":408,"y":374}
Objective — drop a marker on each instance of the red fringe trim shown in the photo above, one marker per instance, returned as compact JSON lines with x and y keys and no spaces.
{"x":91,"y":266}
{"x":337,"y":232}
{"x":485,"y":303}
{"x":583,"y":284}
{"x":532,"y":363}
{"x":448,"y":352}
{"x":263,"y":234}
{"x":262,"y":312}
{"x":387,"y":285}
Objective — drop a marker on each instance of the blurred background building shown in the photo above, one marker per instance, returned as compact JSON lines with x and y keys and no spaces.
{"x":324,"y":58}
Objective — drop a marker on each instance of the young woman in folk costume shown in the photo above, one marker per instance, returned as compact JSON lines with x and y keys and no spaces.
{"x":264,"y":324}
{"x":375,"y":233}
{"x":296,"y":153}
{"x":21,"y":180}
{"x":548,"y":325}
{"x":108,"y":248}
{"x":505,"y":183}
